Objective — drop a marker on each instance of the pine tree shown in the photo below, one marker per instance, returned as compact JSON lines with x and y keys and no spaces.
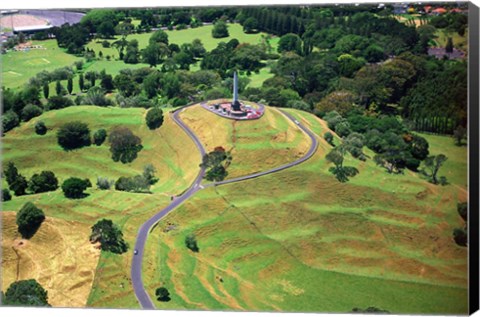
{"x":70,"y":85}
{"x":81,"y":82}
{"x":46,"y":90}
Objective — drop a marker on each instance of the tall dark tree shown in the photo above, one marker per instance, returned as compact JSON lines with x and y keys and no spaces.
{"x":449,"y":45}
{"x":46,"y":90}
{"x":81,"y":82}
{"x":70,"y":85}
{"x":43,"y":182}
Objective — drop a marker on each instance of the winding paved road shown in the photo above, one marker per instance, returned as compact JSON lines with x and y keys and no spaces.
{"x":136,"y":270}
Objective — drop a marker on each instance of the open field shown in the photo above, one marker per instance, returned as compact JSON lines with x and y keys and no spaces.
{"x":180,"y":37}
{"x":62,"y":260}
{"x":18,"y":67}
{"x":168,"y":149}
{"x":380,"y":240}
{"x":255,"y":145}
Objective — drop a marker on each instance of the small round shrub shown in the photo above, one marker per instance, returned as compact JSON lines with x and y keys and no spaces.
{"x":40,"y":128}
{"x":99,"y":136}
{"x":154,"y":118}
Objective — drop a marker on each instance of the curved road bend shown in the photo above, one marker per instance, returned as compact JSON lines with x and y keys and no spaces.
{"x":136,"y":270}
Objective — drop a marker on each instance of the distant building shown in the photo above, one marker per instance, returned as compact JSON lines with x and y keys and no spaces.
{"x":399,"y":8}
{"x":31,"y":29}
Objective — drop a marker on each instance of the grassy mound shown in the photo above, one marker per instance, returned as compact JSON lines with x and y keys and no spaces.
{"x":299,"y":240}
{"x":59,"y":256}
{"x":256,"y":145}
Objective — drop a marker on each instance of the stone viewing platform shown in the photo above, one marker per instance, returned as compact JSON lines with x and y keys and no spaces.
{"x":223,"y":108}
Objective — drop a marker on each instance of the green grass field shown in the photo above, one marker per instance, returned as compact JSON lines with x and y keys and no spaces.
{"x":459,"y":42}
{"x":297,"y":240}
{"x":380,"y":240}
{"x":167,"y":148}
{"x":19,"y":67}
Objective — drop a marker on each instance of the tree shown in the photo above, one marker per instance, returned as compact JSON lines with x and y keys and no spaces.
{"x":220,"y":29}
{"x":191,"y":243}
{"x":40,"y":128}
{"x":81,"y":82}
{"x":131,"y":52}
{"x":462,"y":209}
{"x":459,"y":134}
{"x":449,"y":45}
{"x":29,"y":219}
{"x":106,"y":82}
{"x":342,"y":173}
{"x":74,"y":187}
{"x":150,"y":54}
{"x":19,"y":185}
{"x":162,"y":294}
{"x":106,"y":29}
{"x":159,"y":36}
{"x":198,"y":50}
{"x":6,"y":196}
{"x":124,"y":145}
{"x":58,"y":102}
{"x":43,"y":182}
{"x":104,"y":183}
{"x":99,"y":136}
{"x":460,"y":236}
{"x":73,"y":135}
{"x":10,"y":172}
{"x":250,"y":25}
{"x":290,"y":43}
{"x":46,"y":90}
{"x":26,"y":293}
{"x":149,"y":174}
{"x":109,"y":236}
{"x":59,"y":89}
{"x":433,"y":164}
{"x":70,"y":85}
{"x":10,"y":120}
{"x":216,"y":173}
{"x":135,"y":184}
{"x":341,"y":101}
{"x":31,"y":111}
{"x":329,"y":138}
{"x":154,"y":118}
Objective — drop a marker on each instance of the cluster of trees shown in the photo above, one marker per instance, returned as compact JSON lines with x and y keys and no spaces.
{"x":39,"y":183}
{"x":138,"y":183}
{"x":216,"y":162}
{"x":109,"y":236}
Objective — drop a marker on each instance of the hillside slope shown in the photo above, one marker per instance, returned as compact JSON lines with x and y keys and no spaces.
{"x":299,"y":240}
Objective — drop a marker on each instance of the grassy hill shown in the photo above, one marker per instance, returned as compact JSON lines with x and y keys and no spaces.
{"x":255,"y":145}
{"x":62,"y":260}
{"x":299,"y":240}
{"x":167,"y":148}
